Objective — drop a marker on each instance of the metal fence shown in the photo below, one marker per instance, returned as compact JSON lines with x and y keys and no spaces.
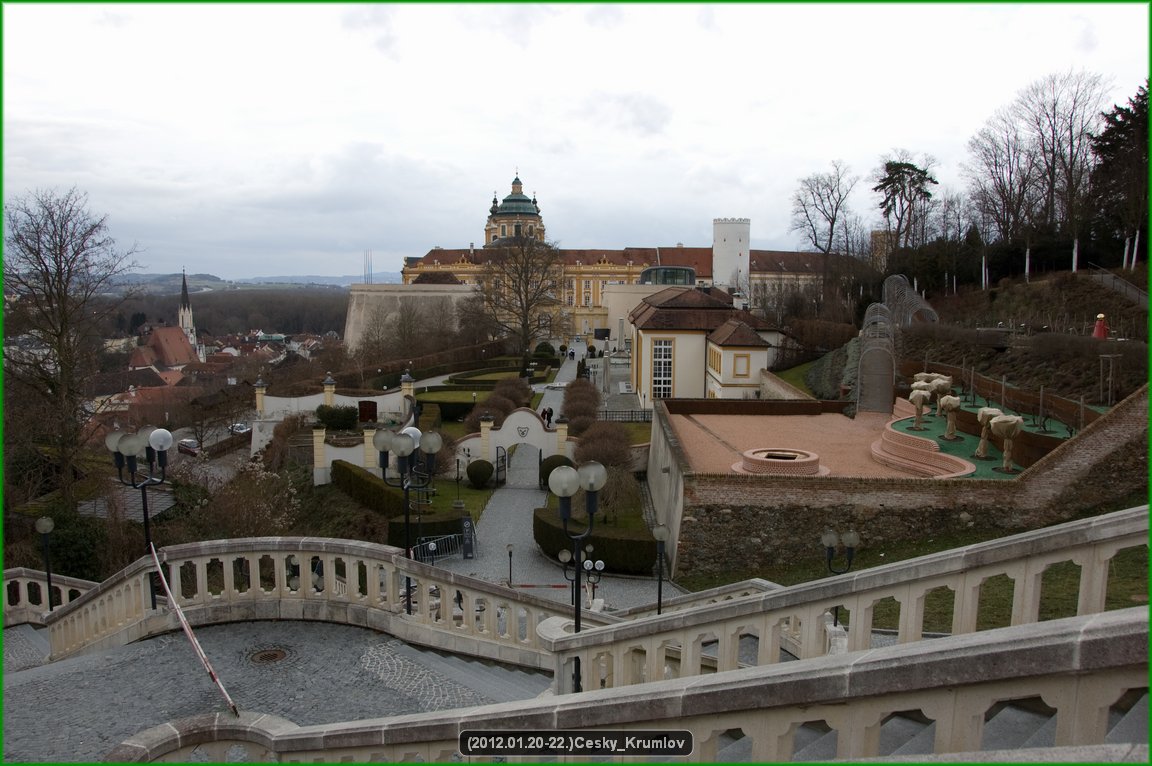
{"x":428,"y":549}
{"x":626,"y":416}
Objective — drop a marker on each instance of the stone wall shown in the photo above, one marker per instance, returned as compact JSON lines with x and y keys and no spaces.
{"x":762,"y":521}
{"x":365,"y":301}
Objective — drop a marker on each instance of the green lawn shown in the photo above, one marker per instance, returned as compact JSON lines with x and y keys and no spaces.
{"x":795,"y":376}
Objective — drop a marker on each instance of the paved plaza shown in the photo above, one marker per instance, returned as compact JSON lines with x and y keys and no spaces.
{"x":307,"y":672}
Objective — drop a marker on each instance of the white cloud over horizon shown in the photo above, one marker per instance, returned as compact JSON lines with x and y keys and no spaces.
{"x":246,"y":140}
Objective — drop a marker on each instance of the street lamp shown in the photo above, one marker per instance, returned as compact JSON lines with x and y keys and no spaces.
{"x":508,"y":547}
{"x":404,"y":444}
{"x":152,"y":444}
{"x":661,"y":533}
{"x":593,"y":571}
{"x":564,"y":481}
{"x":45,"y":525}
{"x":831,"y":541}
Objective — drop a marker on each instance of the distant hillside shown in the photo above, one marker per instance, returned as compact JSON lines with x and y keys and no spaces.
{"x":166,"y":284}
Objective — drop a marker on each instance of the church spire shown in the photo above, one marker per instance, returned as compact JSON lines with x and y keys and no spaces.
{"x":184,"y":302}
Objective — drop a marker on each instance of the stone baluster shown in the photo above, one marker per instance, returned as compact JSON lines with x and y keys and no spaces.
{"x":1027,"y":581}
{"x":966,"y":604}
{"x":1093,"y":562}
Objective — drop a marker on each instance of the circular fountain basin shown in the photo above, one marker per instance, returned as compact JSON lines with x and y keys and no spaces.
{"x":780,"y":461}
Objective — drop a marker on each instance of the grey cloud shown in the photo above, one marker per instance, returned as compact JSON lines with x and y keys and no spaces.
{"x":378,"y":19}
{"x":604,"y":16}
{"x":1086,"y":42}
{"x":635,"y":112}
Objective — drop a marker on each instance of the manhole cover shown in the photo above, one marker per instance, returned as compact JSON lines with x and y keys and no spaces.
{"x":267,"y":656}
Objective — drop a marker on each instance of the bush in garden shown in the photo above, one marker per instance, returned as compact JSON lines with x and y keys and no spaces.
{"x":581,"y":390}
{"x":549,"y":464}
{"x":479,"y":473}
{"x":337,"y":418}
{"x":496,"y":406}
{"x":544,"y":348}
{"x":605,"y":442}
{"x":563,"y":349}
{"x":579,"y":425}
{"x":516,"y":390}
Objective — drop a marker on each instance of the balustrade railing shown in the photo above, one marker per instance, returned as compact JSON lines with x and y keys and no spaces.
{"x":26,"y":594}
{"x":316,"y":579}
{"x":751,"y":630}
{"x":1088,"y":670}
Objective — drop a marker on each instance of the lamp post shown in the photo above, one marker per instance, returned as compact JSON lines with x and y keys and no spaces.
{"x":404,"y":444}
{"x":831,"y":541}
{"x":152,"y":444}
{"x":593,"y":571}
{"x":508,"y":547}
{"x":661,"y":533}
{"x":45,"y":525}
{"x":564,"y":481}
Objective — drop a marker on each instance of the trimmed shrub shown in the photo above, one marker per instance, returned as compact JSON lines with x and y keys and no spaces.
{"x":579,"y":425}
{"x":365,"y":488}
{"x":338,"y":418}
{"x":515,"y":390}
{"x":605,"y":442}
{"x":550,"y":464}
{"x":496,"y":406}
{"x":623,"y":551}
{"x":544,"y":348}
{"x":480,"y":473}
{"x":563,"y":349}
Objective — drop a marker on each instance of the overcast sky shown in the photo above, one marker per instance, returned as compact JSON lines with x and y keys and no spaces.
{"x":255,"y":140}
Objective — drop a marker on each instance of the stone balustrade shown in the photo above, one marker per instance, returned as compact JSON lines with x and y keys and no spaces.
{"x":331,"y":580}
{"x":26,"y":594}
{"x":752,"y":629}
{"x":1082,"y":667}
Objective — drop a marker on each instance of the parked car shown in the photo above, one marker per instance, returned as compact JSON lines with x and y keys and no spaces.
{"x":188,"y":446}
{"x":239,"y":428}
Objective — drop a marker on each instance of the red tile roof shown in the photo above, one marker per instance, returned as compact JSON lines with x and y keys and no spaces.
{"x":172,"y":346}
{"x":686,"y":308}
{"x":736,"y":333}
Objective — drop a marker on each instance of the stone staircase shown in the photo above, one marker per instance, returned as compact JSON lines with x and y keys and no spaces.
{"x":496,"y":681}
{"x":1014,"y":725}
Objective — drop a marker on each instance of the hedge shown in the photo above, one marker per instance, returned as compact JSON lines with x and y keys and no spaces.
{"x":623,"y":551}
{"x":342,"y":418}
{"x":368,"y":490}
{"x":430,"y":525}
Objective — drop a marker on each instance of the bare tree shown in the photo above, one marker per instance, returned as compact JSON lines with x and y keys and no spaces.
{"x":1060,"y":113}
{"x":1003,"y":174}
{"x":819,"y":204}
{"x":519,"y":290}
{"x":59,"y":264}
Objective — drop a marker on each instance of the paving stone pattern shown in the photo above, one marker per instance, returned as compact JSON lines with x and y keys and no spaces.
{"x":80,"y":708}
